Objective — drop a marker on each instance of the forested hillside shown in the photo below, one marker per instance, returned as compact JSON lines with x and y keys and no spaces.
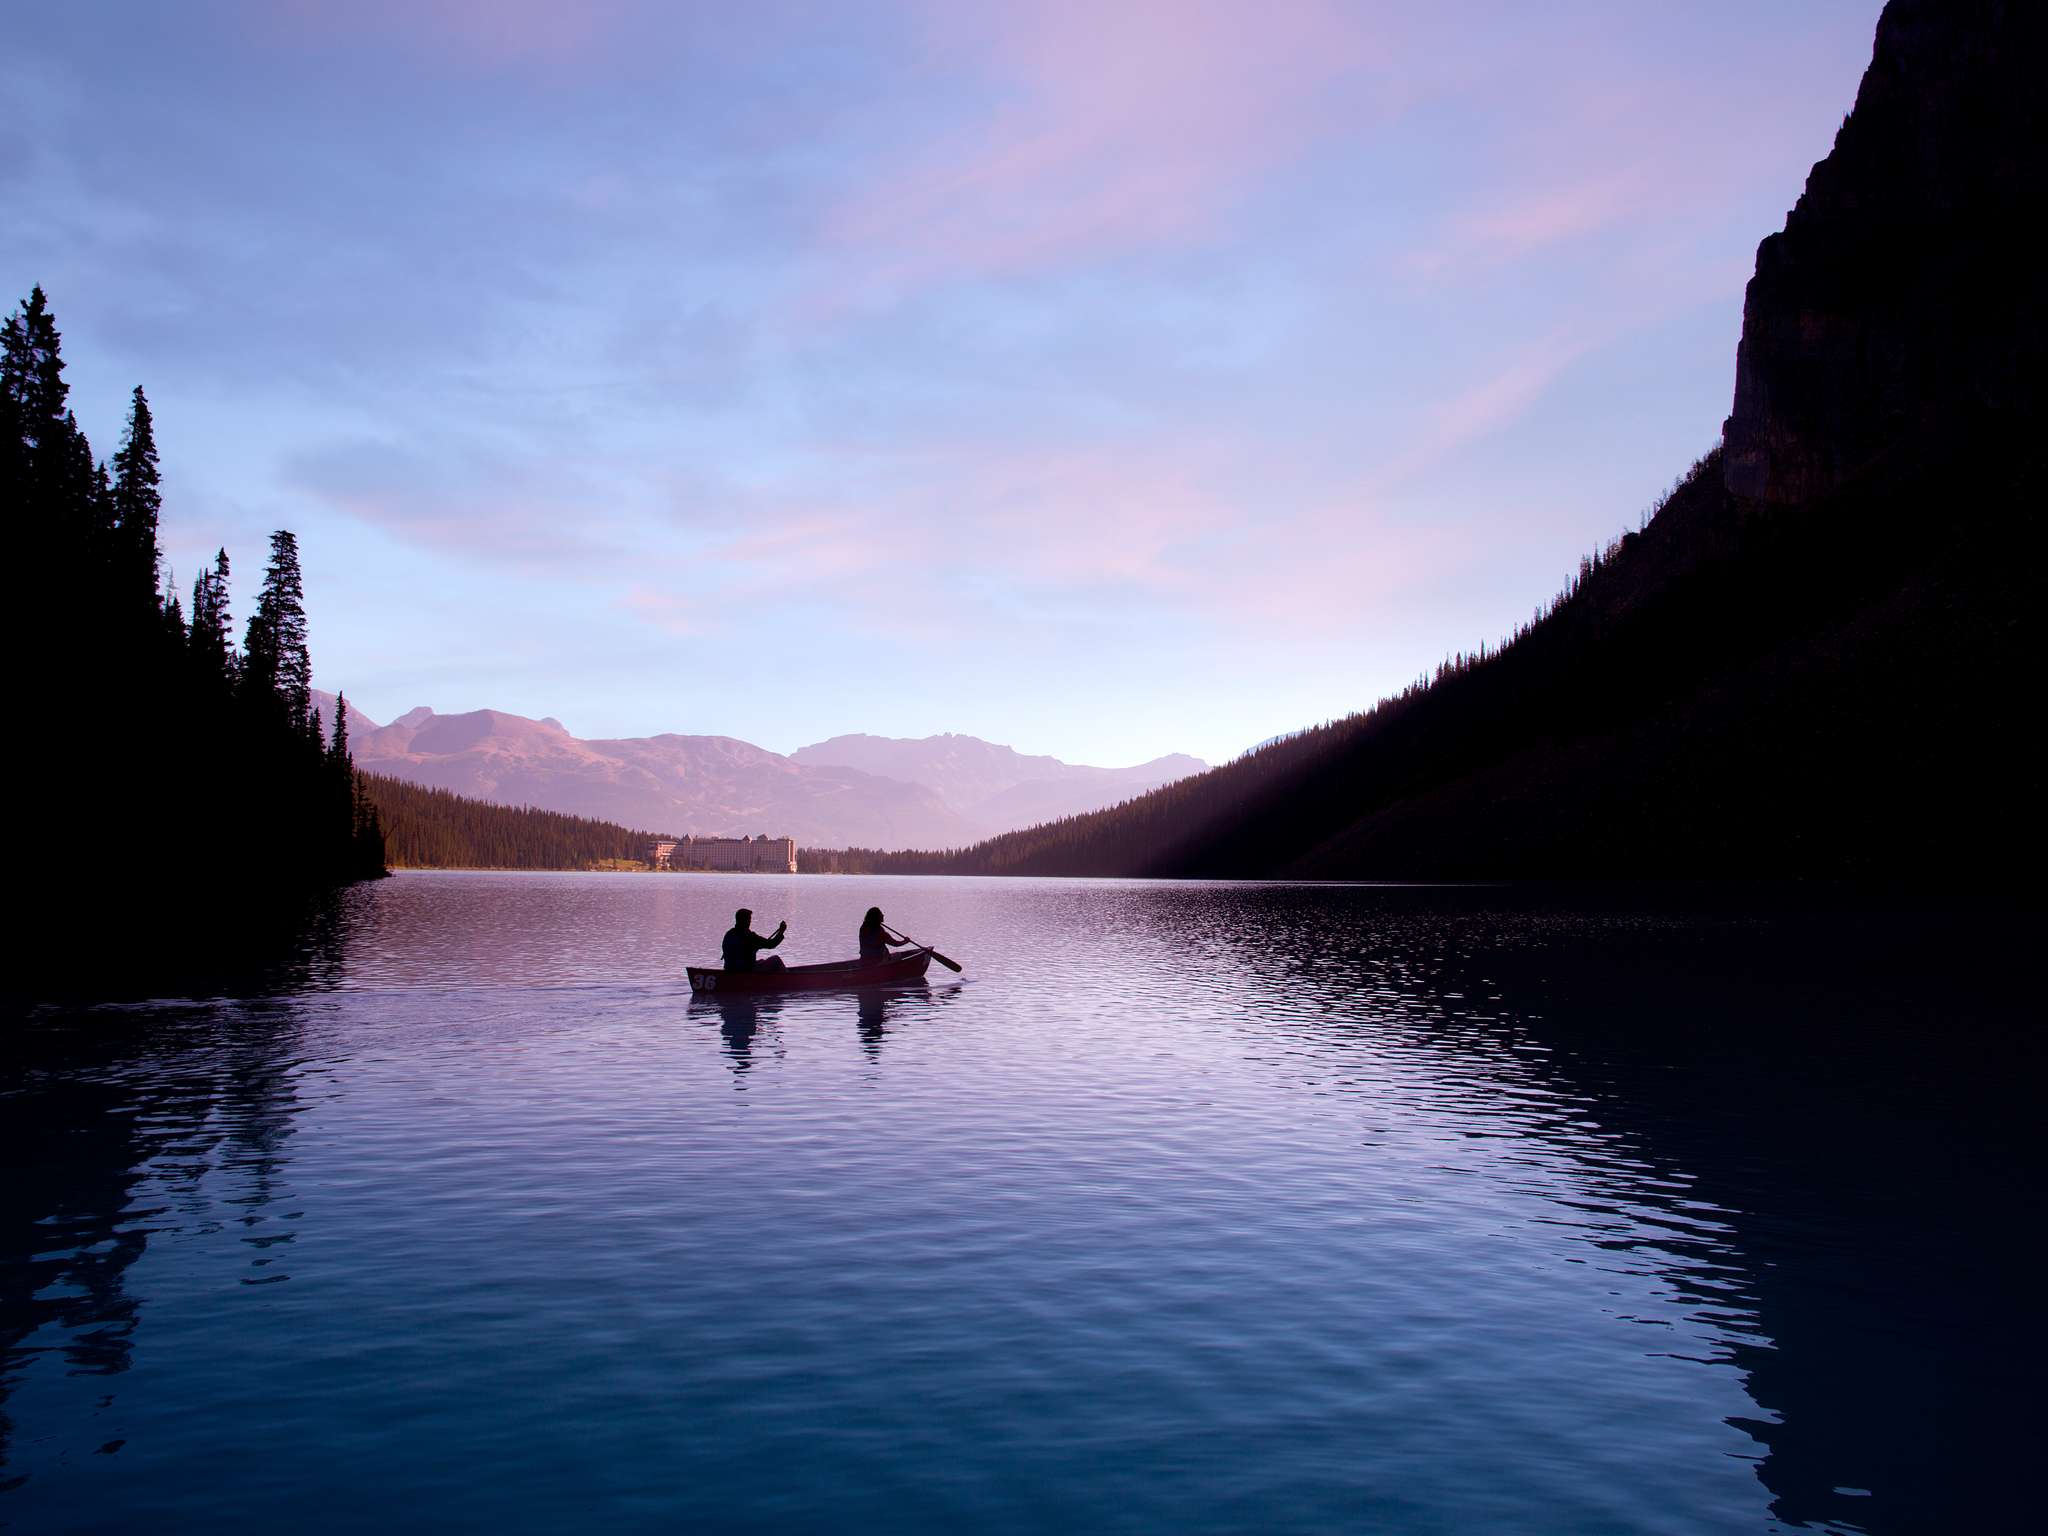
{"x":438,"y":829}
{"x":1818,"y":658}
{"x":148,"y":743}
{"x":1724,"y":694}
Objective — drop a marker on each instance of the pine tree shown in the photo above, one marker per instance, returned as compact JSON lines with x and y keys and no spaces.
{"x":32,"y":374}
{"x":137,"y":501}
{"x":277,"y":671}
{"x":98,"y":517}
{"x":13,"y":449}
{"x":369,"y":844}
{"x":211,"y":639}
{"x":337,"y":751}
{"x":341,"y":777}
{"x":235,"y":762}
{"x":55,"y":478}
{"x":173,"y":614}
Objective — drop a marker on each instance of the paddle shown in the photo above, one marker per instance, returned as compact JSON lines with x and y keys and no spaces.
{"x":951,"y":965}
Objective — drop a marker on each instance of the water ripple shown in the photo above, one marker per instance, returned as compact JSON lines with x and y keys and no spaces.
{"x":1227,"y":1207}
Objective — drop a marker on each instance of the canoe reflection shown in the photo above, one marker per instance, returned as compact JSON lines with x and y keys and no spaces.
{"x":752,"y":1025}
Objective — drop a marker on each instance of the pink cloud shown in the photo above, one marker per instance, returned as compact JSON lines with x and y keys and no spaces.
{"x":1120,"y":126}
{"x":468,"y":501}
{"x":1523,"y":222}
{"x":1208,"y":522}
{"x":1092,"y":516}
{"x":1309,"y":571}
{"x":1480,"y":409}
{"x":801,"y":546}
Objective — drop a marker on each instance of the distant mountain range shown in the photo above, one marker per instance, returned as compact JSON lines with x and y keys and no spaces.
{"x":851,"y":791}
{"x":992,"y":786}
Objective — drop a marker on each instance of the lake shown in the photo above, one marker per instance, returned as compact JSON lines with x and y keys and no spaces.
{"x":1194,"y":1207}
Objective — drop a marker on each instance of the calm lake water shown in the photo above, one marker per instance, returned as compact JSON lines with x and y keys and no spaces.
{"x":1194,"y":1208}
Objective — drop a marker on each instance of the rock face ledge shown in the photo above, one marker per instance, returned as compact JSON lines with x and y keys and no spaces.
{"x":1905,"y":287}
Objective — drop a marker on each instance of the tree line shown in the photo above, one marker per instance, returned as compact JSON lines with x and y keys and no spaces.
{"x":151,"y":741}
{"x":439,"y":829}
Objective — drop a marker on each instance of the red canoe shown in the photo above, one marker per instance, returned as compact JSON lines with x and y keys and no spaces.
{"x":908,"y":966}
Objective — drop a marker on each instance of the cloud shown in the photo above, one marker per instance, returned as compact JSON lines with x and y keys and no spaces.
{"x":1521,"y":222}
{"x":786,"y":548}
{"x":1145,"y":325}
{"x":470,"y":502}
{"x":479,"y":33}
{"x":1479,"y":409}
{"x":1116,"y":128}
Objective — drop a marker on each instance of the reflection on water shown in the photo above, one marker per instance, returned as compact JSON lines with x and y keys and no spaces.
{"x":878,"y":1012}
{"x":117,"y":1130}
{"x":1196,"y":1207}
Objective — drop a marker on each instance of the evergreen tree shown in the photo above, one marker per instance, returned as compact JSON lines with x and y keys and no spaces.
{"x":337,"y":751}
{"x":277,"y":671}
{"x":76,"y":489}
{"x":235,"y":760}
{"x":137,"y":500}
{"x":173,"y":614}
{"x":13,"y":450}
{"x":32,"y":374}
{"x":341,"y":772}
{"x":368,"y":847}
{"x":97,"y":516}
{"x":55,"y":480}
{"x":211,"y":638}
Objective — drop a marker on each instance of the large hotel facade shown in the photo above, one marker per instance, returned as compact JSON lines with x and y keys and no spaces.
{"x":758,"y":855}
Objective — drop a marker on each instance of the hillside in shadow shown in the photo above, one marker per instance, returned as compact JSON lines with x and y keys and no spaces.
{"x":1813,"y":659}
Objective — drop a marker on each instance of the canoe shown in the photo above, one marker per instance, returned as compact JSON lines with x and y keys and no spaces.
{"x":897,"y":969}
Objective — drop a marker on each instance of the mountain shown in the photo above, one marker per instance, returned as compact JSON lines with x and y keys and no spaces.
{"x":716,"y":785}
{"x":705,"y":784}
{"x":1819,"y":657}
{"x":1905,"y":291}
{"x":359,"y":724}
{"x":996,"y":788}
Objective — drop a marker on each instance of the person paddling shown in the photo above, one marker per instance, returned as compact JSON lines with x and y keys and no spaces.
{"x":874,"y":938}
{"x":742,"y":945}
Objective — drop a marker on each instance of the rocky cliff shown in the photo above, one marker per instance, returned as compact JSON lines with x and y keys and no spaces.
{"x":1841,"y":694}
{"x":1903,"y":292}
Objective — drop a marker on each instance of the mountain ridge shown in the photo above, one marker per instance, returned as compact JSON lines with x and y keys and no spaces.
{"x":720,"y":785}
{"x":996,"y":785}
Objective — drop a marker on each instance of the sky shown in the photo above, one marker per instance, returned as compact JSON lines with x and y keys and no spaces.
{"x":1104,"y":379}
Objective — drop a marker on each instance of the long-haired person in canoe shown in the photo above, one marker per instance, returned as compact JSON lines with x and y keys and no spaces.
{"x":874,"y":938}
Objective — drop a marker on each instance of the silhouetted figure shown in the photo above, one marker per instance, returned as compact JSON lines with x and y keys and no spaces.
{"x":742,"y":945}
{"x":874,"y":938}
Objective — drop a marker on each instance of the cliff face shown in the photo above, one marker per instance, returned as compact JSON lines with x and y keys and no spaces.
{"x":1904,"y":289}
{"x":1843,"y":693}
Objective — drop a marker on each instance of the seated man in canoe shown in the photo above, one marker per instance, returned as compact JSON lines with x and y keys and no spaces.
{"x":742,"y":946}
{"x":874,"y":938}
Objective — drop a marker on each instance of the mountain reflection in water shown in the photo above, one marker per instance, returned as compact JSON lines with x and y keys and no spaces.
{"x":1197,"y":1207}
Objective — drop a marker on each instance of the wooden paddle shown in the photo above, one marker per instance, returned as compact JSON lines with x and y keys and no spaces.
{"x":951,"y":965}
